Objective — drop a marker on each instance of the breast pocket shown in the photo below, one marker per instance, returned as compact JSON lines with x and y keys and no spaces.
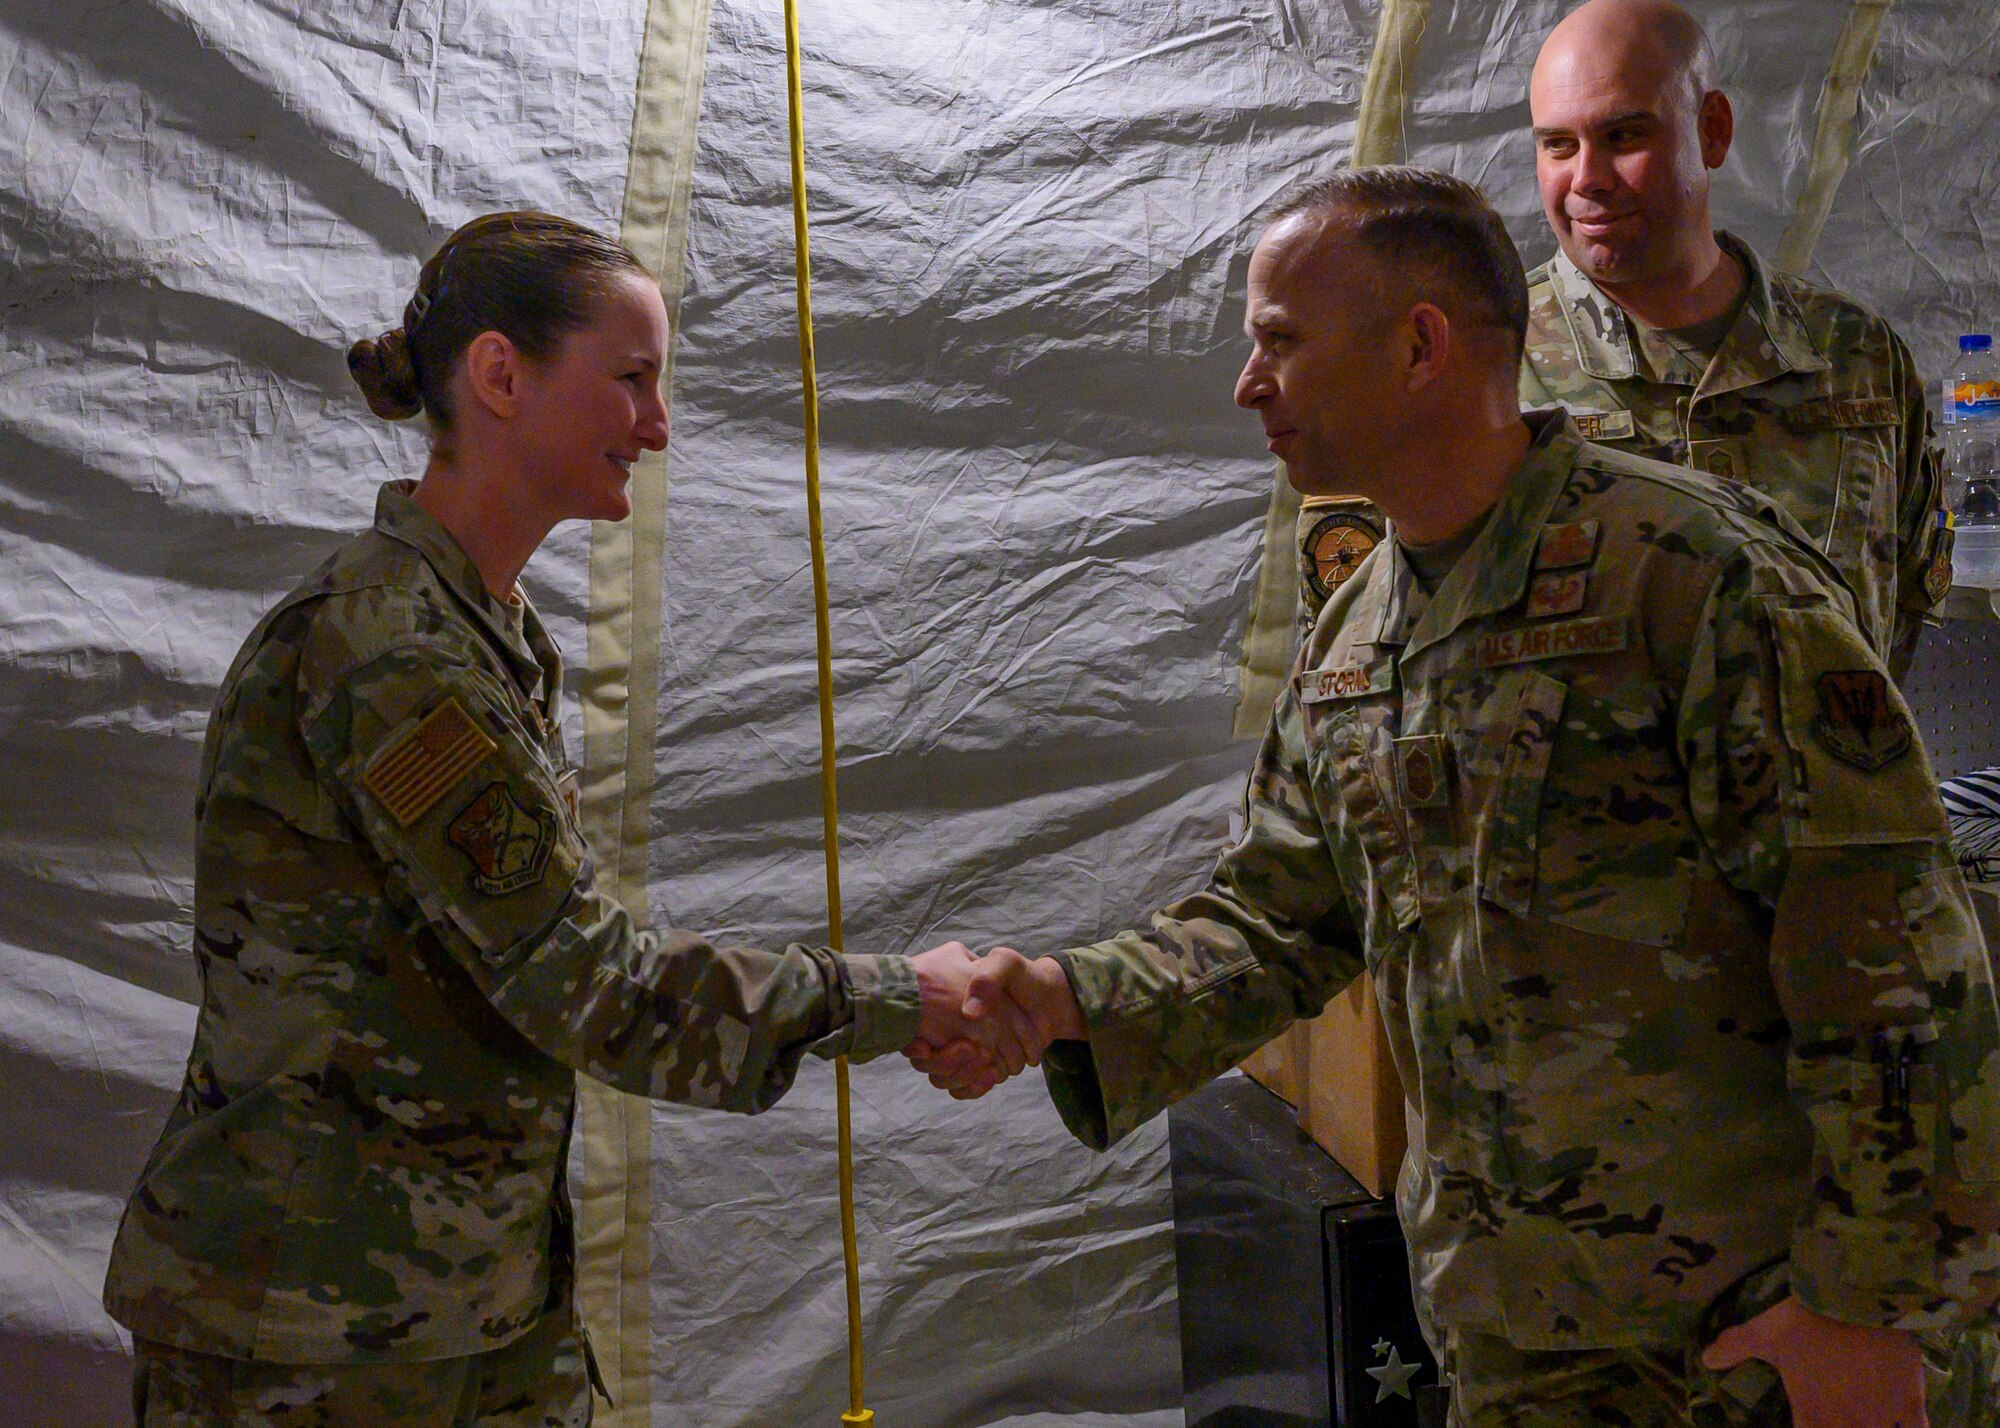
{"x":1584,"y":831}
{"x":1504,"y":764}
{"x":1858,"y":440}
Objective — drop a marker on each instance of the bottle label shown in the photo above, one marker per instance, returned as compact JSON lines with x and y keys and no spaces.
{"x":1971,"y":401}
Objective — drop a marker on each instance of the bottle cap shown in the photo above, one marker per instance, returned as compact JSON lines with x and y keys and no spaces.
{"x":1975,"y":342}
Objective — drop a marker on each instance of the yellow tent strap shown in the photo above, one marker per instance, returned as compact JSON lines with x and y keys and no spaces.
{"x":856,"y":1416}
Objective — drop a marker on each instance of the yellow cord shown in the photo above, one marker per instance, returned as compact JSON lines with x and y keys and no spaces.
{"x":856,"y":1416}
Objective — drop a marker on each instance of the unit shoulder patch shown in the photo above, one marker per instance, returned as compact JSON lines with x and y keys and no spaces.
{"x":508,"y":844}
{"x":412,"y":774}
{"x":1334,"y":548}
{"x":1937,"y":575}
{"x":1858,"y":720}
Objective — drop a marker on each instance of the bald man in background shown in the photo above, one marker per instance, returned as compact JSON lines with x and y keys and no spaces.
{"x":1668,"y":339}
{"x":1665,"y":338}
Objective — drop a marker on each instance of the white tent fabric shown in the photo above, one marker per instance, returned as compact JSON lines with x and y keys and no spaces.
{"x":1044,"y":517}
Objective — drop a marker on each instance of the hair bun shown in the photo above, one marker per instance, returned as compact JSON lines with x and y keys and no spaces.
{"x":381,"y":368}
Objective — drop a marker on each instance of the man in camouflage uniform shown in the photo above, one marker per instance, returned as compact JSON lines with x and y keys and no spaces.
{"x":1590,"y":771}
{"x":356,"y":1212}
{"x":1664,"y":338}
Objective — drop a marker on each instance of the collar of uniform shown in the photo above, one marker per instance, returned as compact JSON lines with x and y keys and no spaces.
{"x":399,"y":517}
{"x":1598,"y":327}
{"x":1493,"y":573}
{"x":1769,"y":339}
{"x":1381,"y":606}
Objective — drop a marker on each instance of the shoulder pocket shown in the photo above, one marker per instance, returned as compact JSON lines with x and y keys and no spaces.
{"x":470,"y":813}
{"x":1860,"y":775}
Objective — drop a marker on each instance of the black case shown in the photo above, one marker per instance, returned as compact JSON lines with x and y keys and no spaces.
{"x":1293,"y":1281}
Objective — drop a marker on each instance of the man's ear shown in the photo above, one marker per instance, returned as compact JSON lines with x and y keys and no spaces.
{"x":493,"y":373}
{"x":1426,"y":345}
{"x":1716,"y":123}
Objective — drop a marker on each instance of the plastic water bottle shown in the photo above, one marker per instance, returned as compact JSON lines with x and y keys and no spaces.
{"x":1972,"y":445}
{"x":1972,"y":431}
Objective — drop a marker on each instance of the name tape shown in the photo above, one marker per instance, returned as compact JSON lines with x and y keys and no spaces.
{"x":1319,"y":686}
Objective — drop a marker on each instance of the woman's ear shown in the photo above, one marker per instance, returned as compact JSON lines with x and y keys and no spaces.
{"x":493,"y":372}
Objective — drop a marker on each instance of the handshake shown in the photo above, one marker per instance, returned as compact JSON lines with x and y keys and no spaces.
{"x":981,"y":1019}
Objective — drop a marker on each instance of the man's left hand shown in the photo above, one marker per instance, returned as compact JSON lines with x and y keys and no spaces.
{"x":1836,"y":1375}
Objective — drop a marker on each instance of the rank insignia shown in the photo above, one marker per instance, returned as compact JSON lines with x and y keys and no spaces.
{"x":1858,"y":720}
{"x":1558,"y":592}
{"x":411,"y":775}
{"x":1334,"y":548}
{"x":1937,"y":575}
{"x":1563,"y":546}
{"x":1420,"y":769}
{"x":508,"y":844}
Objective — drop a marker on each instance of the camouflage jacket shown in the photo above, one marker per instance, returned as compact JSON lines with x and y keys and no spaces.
{"x":1639,"y":848}
{"x":404,"y":964}
{"x":1812,"y":399}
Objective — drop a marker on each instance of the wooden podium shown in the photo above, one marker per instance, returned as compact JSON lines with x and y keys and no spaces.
{"x":1336,"y":1073}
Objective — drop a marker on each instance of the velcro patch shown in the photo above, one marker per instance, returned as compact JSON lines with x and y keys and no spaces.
{"x":1603,"y":426}
{"x":1602,"y":634}
{"x":508,"y":844}
{"x":1937,"y":575}
{"x":1420,"y":770}
{"x":1334,"y":549}
{"x":1320,"y":686}
{"x":1558,"y":592}
{"x":411,"y":775}
{"x":1563,"y":546}
{"x":1826,"y":414}
{"x":1858,"y":721}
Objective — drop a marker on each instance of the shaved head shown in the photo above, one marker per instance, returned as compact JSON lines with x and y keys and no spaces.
{"x":1628,"y":124}
{"x":1635,"y":36}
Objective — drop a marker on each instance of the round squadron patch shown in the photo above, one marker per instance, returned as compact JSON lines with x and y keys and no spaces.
{"x":1334,"y":549}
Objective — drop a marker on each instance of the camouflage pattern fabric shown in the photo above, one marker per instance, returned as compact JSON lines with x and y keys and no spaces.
{"x":1655,"y":893}
{"x":404,"y":965}
{"x":540,"y":1380}
{"x":1812,"y":399}
{"x":1499,"y":1386}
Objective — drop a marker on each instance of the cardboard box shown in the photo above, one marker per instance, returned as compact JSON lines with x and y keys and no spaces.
{"x":1335,"y":1071}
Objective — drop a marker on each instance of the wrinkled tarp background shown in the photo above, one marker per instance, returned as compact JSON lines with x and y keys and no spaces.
{"x":1030,"y":228}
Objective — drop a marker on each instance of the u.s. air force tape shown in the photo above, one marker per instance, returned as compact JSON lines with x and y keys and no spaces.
{"x":1602,"y":634}
{"x":412,"y":774}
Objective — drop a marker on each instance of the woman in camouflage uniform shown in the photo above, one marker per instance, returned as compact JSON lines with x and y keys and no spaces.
{"x":356,"y":1211}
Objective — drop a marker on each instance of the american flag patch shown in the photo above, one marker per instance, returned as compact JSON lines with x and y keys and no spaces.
{"x":417,"y":770}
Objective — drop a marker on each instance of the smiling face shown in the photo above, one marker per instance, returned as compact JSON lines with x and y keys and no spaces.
{"x":588,"y":411}
{"x":1623,"y":146}
{"x":1317,"y":371}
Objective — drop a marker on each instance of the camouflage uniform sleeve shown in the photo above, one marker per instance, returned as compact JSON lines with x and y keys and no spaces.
{"x":1268,"y":941}
{"x":1923,"y":543}
{"x":428,"y":759}
{"x":1815,"y":798}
